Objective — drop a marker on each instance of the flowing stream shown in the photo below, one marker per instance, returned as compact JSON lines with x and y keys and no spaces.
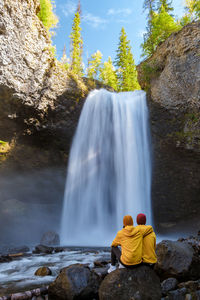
{"x":109,"y":170}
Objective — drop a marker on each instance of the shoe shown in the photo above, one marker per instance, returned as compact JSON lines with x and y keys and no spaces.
{"x":121,"y":266}
{"x":112,"y":268}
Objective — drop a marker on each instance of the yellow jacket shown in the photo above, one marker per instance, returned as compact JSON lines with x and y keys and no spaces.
{"x":130,"y":240}
{"x":149,"y":244}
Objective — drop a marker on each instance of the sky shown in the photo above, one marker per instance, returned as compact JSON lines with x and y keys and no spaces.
{"x":101,"y":25}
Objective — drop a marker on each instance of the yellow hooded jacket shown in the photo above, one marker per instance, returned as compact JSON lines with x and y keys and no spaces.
{"x":130,"y":240}
{"x":149,"y":244}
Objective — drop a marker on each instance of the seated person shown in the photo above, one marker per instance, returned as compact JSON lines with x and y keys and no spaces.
{"x":149,"y":241}
{"x":130,"y":240}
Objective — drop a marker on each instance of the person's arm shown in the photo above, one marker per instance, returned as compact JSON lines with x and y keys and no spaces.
{"x":117,"y":241}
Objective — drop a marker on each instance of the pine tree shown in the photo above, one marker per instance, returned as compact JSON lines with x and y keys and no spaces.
{"x":108,"y":75}
{"x":166,"y":4}
{"x":47,"y":16}
{"x":126,"y":69}
{"x":94,"y":64}
{"x":162,"y":26}
{"x":193,"y":9}
{"x":64,"y":60}
{"x":76,"y":46}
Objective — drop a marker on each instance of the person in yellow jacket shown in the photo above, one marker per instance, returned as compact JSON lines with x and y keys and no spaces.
{"x":130,"y":239}
{"x":149,"y":241}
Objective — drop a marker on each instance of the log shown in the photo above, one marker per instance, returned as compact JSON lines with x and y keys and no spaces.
{"x":26,"y":295}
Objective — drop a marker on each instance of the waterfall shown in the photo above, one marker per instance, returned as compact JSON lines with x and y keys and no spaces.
{"x":109,"y":169}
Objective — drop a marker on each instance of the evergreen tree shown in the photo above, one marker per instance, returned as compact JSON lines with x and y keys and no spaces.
{"x":76,"y":46}
{"x":126,"y":72}
{"x":193,"y":9}
{"x":150,"y":6}
{"x":64,"y":60}
{"x":47,"y":16}
{"x":108,"y":75}
{"x":166,"y":4}
{"x":94,"y":64}
{"x":162,"y":26}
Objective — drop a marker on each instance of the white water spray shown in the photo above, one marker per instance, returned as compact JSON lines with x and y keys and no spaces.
{"x":109,"y":171}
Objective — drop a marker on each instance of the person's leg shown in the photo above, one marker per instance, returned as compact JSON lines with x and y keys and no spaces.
{"x":115,"y":255}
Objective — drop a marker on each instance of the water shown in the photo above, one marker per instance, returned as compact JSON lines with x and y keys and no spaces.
{"x":109,"y":171}
{"x":18,"y":275}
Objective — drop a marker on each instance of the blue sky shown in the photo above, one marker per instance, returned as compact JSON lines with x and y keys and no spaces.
{"x":101,"y":24}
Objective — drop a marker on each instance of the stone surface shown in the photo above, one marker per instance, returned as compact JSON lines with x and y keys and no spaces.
{"x":177,"y":259}
{"x":124,"y":284}
{"x":50,"y":238}
{"x":172,"y":77}
{"x":168,"y":285}
{"x":43,"y":271}
{"x":74,"y":282}
{"x":43,"y":249}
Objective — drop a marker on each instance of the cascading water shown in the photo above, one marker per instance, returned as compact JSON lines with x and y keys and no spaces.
{"x":109,"y":171}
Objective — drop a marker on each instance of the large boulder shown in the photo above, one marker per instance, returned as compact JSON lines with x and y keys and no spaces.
{"x":50,"y":238}
{"x":177,"y":259}
{"x":75,"y":282}
{"x":140,"y":283}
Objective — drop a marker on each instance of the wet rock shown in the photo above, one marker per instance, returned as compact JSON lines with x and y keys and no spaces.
{"x":100,"y":263}
{"x":101,"y":271}
{"x":50,"y":238}
{"x":43,"y":249}
{"x":177,"y":294}
{"x":75,"y":282}
{"x":43,"y":271}
{"x":5,"y":258}
{"x":140,"y":283}
{"x":168,"y":285}
{"x":177,"y":259}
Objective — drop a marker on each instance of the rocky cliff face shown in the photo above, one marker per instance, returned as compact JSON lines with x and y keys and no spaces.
{"x":172,"y":78}
{"x":39,"y":109}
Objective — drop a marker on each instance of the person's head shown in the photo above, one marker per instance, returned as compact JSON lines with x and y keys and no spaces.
{"x":127,"y":220}
{"x":141,"y":219}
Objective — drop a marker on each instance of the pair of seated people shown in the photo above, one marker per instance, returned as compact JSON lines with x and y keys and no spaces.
{"x":137,"y":243}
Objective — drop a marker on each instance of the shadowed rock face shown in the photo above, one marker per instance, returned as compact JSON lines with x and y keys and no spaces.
{"x":172,"y":77}
{"x":40,"y":104}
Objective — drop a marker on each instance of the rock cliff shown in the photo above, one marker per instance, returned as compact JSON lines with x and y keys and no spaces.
{"x":172,"y":78}
{"x":39,"y":109}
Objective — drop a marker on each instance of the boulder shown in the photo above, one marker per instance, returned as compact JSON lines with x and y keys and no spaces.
{"x":43,"y":271}
{"x":50,"y":238}
{"x":168,"y":285}
{"x":140,"y":283}
{"x":75,"y":282}
{"x":177,"y":259}
{"x":43,"y":249}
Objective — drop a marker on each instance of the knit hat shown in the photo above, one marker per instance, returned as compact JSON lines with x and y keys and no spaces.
{"x":141,"y":219}
{"x":127,"y":220}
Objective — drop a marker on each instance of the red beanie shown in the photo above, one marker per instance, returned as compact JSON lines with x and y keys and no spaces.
{"x":127,"y":220}
{"x":141,"y":219}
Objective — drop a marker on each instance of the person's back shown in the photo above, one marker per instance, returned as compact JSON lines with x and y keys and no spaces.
{"x":130,"y":240}
{"x":149,"y":240}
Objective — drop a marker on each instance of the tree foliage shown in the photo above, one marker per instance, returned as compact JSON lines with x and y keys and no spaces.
{"x":76,"y":46}
{"x":47,"y":15}
{"x":160,"y":25}
{"x":126,"y":69}
{"x":166,"y":4}
{"x":108,"y":75}
{"x":94,"y":64}
{"x":193,"y":9}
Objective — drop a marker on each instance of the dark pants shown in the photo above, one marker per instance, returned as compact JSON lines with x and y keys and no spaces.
{"x":115,"y":257}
